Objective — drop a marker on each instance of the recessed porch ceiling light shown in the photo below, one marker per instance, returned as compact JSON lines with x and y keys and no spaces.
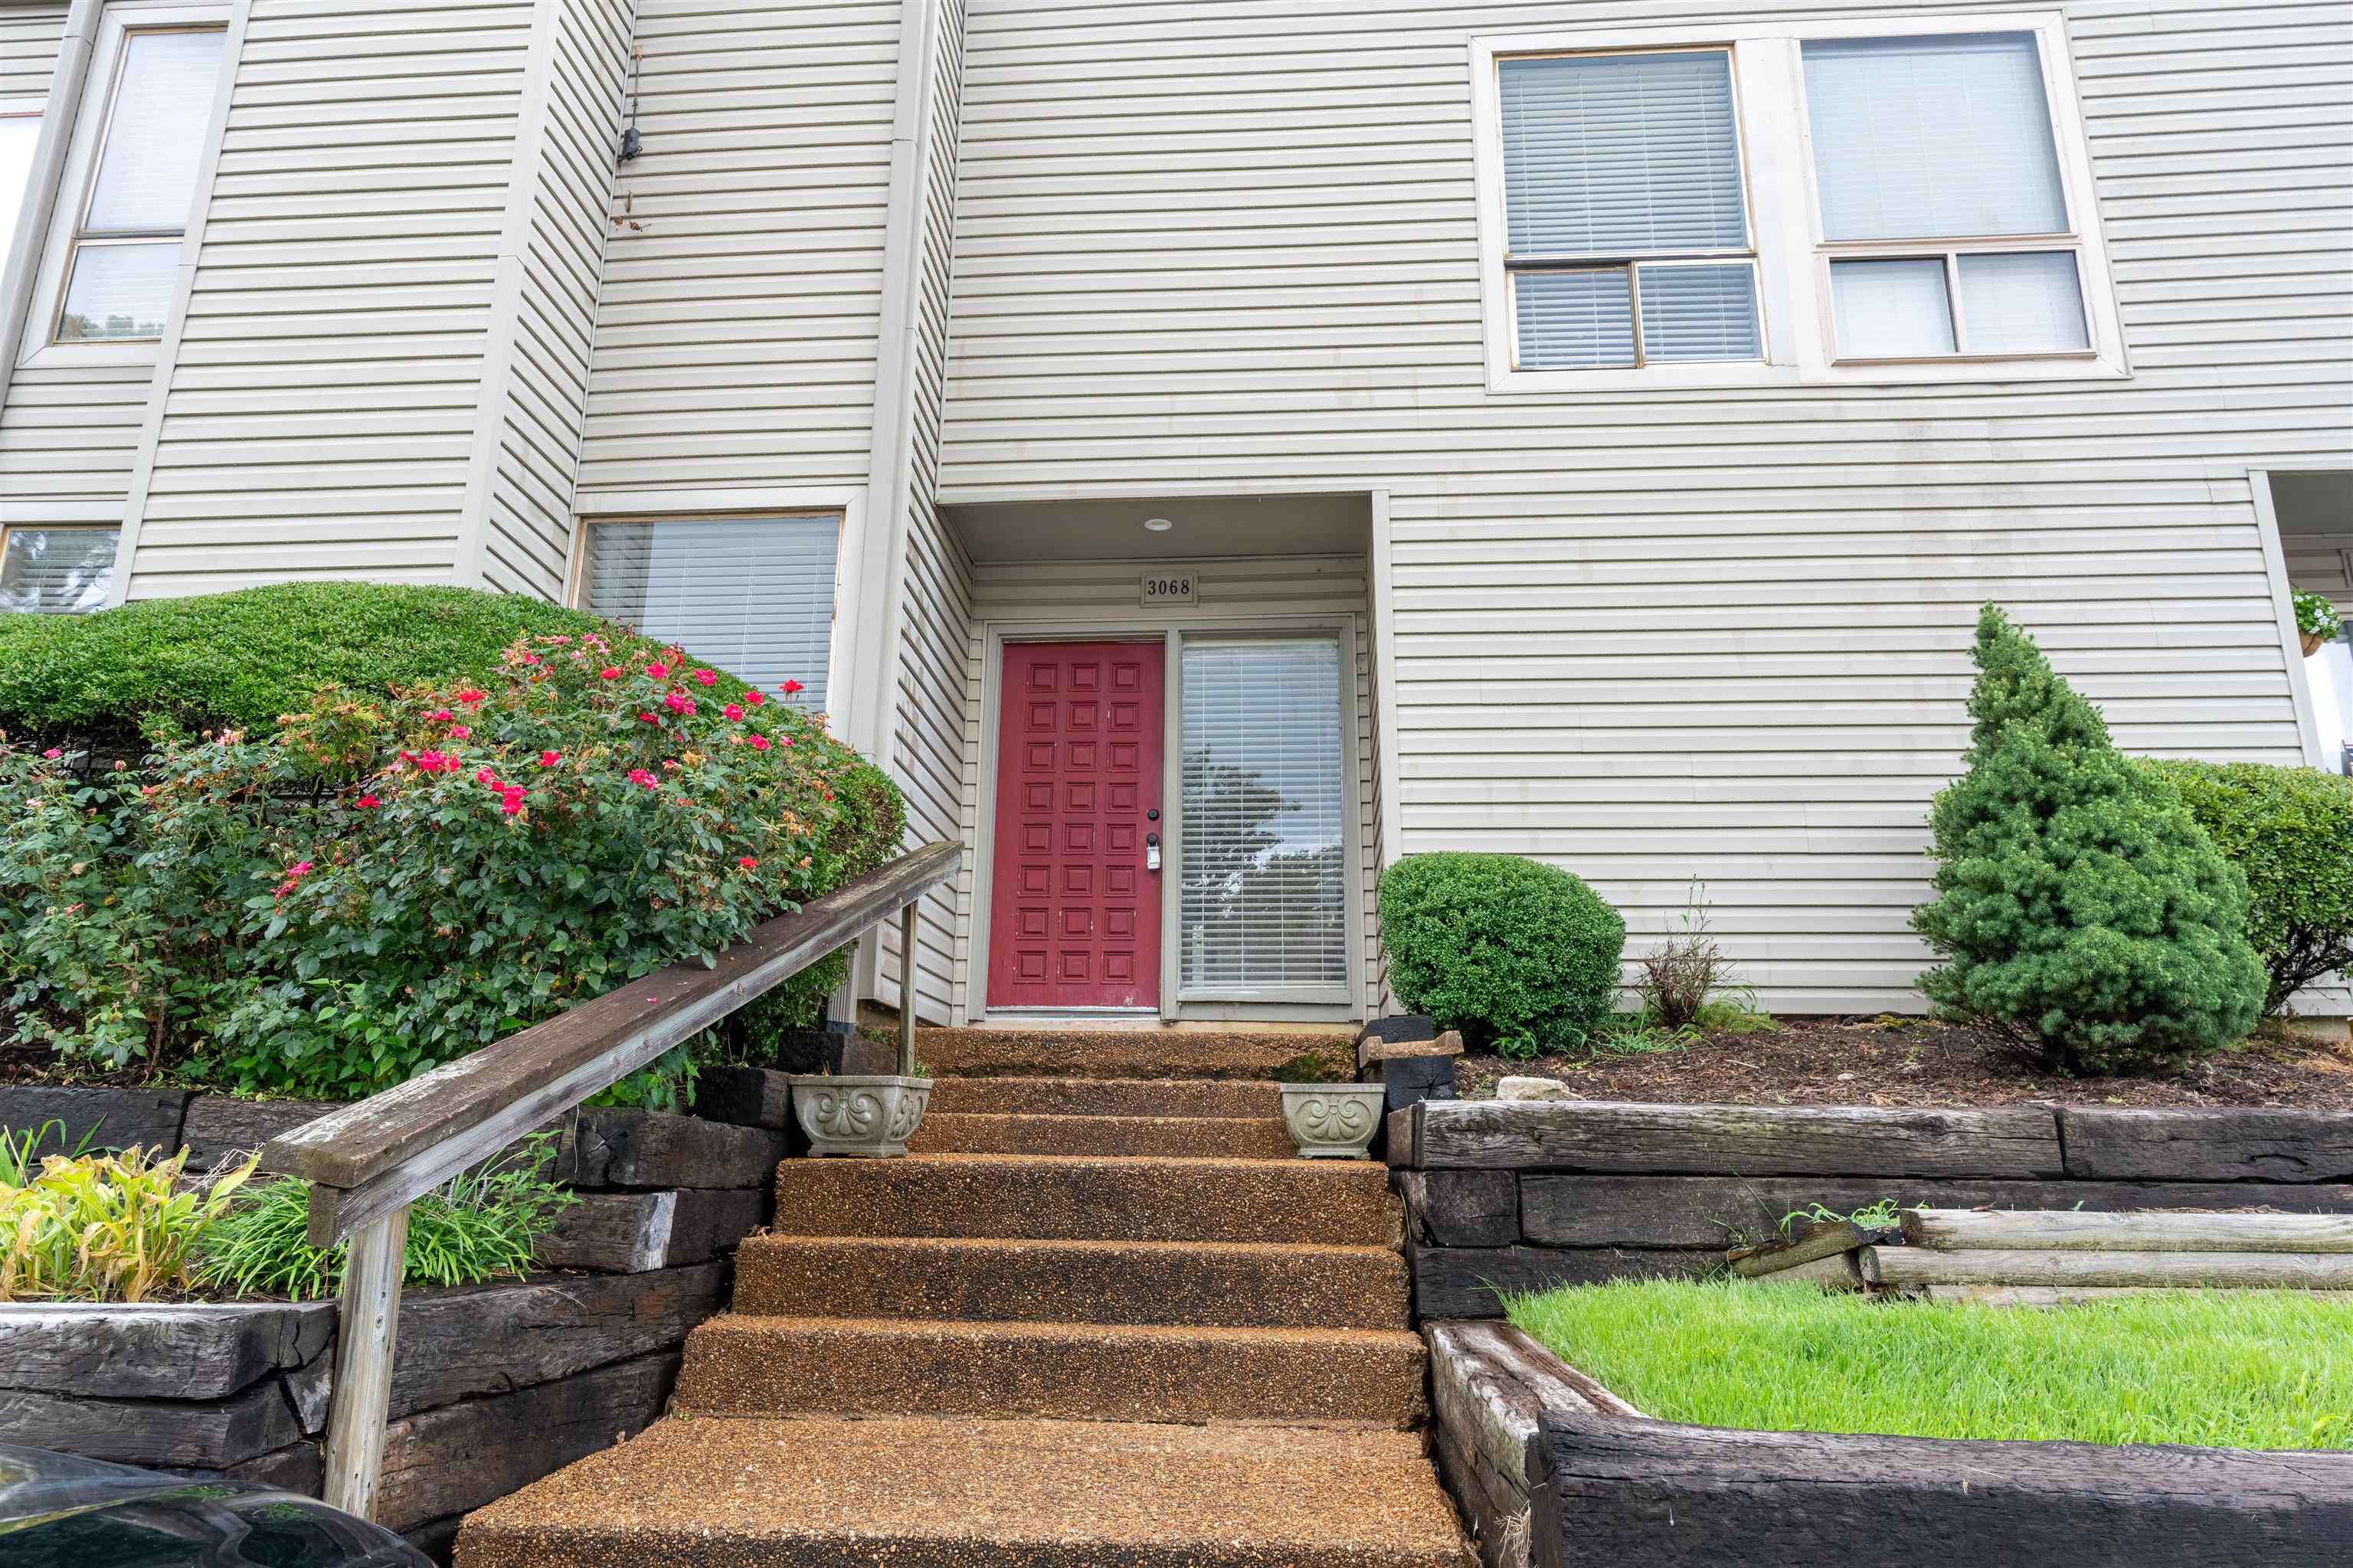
{"x":1157,"y":524}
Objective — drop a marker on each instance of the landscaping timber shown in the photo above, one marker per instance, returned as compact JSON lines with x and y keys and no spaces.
{"x":2220,"y":1145}
{"x":627,"y":1148}
{"x":1465,"y":1282}
{"x":221,"y":1127}
{"x":1464,"y":1208}
{"x":1822,"y":1242}
{"x":1607,"y":1136}
{"x":1715,"y":1210}
{"x":491,"y":1339}
{"x":178,"y":1351}
{"x":2138,"y":1232}
{"x":747,"y":1097}
{"x":1653,"y":1491}
{"x":462,"y":1456}
{"x":108,"y":1118}
{"x":1838,"y":1271}
{"x":1902,"y":1266}
{"x":173,"y":1434}
{"x":629,"y":1232}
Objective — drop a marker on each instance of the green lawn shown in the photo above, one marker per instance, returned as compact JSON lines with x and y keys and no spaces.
{"x":2246,"y":1368}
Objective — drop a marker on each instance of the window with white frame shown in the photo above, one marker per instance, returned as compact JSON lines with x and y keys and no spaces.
{"x":55,"y":571}
{"x":754,"y":596}
{"x":1628,"y":224}
{"x":1888,"y":200}
{"x":129,"y":198}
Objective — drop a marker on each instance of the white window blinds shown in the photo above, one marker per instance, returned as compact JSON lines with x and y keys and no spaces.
{"x":753,"y":596}
{"x":126,"y":253}
{"x":1622,"y":155}
{"x":1633,"y":158}
{"x":56,"y":571}
{"x":1264,"y":902}
{"x":1933,"y":138}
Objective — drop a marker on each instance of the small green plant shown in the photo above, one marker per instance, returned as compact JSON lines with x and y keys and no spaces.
{"x":1520,"y":956}
{"x":480,"y":1225}
{"x":2079,"y":907}
{"x":2317,"y":617}
{"x":1310,"y":1067}
{"x":103,"y":1227}
{"x":1636,"y":1034}
{"x":18,"y":1165}
{"x":1885,"y":1214}
{"x":1685,"y":970}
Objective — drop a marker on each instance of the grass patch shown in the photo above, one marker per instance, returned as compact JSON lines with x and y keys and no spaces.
{"x":2244,"y":1369}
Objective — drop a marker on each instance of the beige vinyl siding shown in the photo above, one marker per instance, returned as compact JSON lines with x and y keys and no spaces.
{"x":562,"y":198}
{"x":927,"y":750}
{"x":66,"y":435}
{"x":735,"y":330}
{"x":1656,"y":635}
{"x":1102,"y":596}
{"x":322,"y":411}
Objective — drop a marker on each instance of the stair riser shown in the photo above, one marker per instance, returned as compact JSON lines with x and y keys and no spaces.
{"x":1302,"y":1289}
{"x":1105,"y":1096}
{"x":1334,"y":1202}
{"x":1174,"y":1137}
{"x":1124,"y":1054}
{"x":745,"y":1370}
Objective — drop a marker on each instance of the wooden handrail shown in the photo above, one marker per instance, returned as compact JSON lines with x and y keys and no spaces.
{"x":366,"y":1162}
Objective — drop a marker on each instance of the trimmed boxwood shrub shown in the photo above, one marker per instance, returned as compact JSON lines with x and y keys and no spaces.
{"x":380,"y":885}
{"x":2290,"y":832}
{"x":2080,"y":909}
{"x":245,"y":658}
{"x":1520,"y":956}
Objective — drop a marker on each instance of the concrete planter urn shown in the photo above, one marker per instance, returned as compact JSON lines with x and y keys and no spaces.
{"x":870,"y":1114}
{"x":1333,"y":1121}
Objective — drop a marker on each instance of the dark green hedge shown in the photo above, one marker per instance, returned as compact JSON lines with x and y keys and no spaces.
{"x":2290,"y":832}
{"x":242,"y":659}
{"x":1520,"y":956}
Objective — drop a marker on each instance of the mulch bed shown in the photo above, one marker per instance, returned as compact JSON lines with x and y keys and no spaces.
{"x":1914,"y":1062}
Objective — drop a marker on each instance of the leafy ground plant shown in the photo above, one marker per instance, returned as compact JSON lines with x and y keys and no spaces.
{"x":103,"y":1227}
{"x":2246,"y":1369}
{"x":1885,"y":1214}
{"x":479,"y":1226}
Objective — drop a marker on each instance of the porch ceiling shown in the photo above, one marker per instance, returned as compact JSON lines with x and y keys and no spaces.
{"x":1203,"y":527}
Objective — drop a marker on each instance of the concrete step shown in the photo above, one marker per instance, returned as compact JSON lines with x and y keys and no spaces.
{"x":1180,"y":1137}
{"x":1105,"y":1097}
{"x":1045,"y":1198}
{"x":954,"y":1493}
{"x":1125,"y":1054}
{"x":1201,"y":1284}
{"x":740,"y":1365}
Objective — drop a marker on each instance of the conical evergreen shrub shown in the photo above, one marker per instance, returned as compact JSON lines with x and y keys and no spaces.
{"x":2079,"y":907}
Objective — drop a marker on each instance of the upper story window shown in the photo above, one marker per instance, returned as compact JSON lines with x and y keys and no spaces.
{"x":139,"y":134}
{"x":1628,"y":223}
{"x":125,"y":252}
{"x":1886,"y":201}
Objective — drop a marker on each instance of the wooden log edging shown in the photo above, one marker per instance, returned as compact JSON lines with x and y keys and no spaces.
{"x":1605,"y":1490}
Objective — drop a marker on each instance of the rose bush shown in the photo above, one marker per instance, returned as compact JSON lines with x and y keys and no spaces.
{"x":378,"y":886}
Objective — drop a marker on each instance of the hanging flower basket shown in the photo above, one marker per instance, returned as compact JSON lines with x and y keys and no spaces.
{"x":2317,"y":621}
{"x":2313,"y":643}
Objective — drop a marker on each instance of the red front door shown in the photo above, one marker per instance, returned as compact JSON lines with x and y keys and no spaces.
{"x":1074,"y":917}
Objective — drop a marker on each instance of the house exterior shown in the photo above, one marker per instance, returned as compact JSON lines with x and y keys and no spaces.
{"x":1207,"y":451}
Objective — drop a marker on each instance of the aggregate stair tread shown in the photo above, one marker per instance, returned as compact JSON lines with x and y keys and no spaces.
{"x":1107,"y":1097}
{"x":1090,"y":1197}
{"x":919,"y":1492}
{"x":1201,"y":1284}
{"x":1235,"y":1137}
{"x":1120,"y":1053}
{"x":738,"y":1365}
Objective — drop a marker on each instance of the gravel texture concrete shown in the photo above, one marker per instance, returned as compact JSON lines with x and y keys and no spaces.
{"x":738,"y":1365}
{"x":1175,"y":1136}
{"x":1202,"y":1283}
{"x":1107,"y":1097}
{"x":941,"y":1493}
{"x":1063,"y":1198}
{"x":1120,"y":1053}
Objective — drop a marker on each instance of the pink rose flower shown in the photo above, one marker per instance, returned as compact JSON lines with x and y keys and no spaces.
{"x":440,"y":715}
{"x":656,"y":670}
{"x":679,"y":703}
{"x":789,"y":687}
{"x":748,"y":863}
{"x":755,"y":696}
{"x":54,"y":752}
{"x":458,"y":732}
{"x":368,"y":802}
{"x":639,"y":775}
{"x":471,"y":696}
{"x":608,"y":673}
{"x":734,"y":711}
{"x":486,"y":777}
{"x":551,"y":759}
{"x":759,"y":743}
{"x":708,"y":677}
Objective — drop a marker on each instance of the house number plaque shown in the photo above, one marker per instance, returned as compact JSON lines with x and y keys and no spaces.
{"x":1169,"y":590}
